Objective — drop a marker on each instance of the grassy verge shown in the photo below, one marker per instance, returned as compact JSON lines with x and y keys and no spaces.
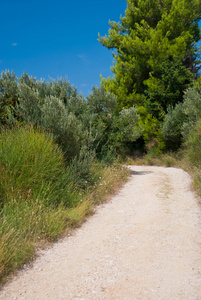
{"x":41,"y":198}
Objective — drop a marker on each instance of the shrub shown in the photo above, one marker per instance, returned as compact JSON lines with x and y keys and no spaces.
{"x":193,"y":145}
{"x":32,"y":167}
{"x":172,"y":127}
{"x":40,"y":197}
{"x":8,"y":95}
{"x":65,"y":126}
{"x":180,"y":120}
{"x":53,"y":115}
{"x":191,"y":108}
{"x":115,"y":128}
{"x":93,"y":125}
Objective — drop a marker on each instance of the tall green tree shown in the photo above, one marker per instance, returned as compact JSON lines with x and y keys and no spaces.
{"x":153,"y":37}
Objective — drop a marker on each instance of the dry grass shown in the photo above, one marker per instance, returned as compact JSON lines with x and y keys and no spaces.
{"x":27,"y":226}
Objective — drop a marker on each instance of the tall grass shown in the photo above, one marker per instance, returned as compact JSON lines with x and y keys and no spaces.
{"x":32,"y":165}
{"x":34,"y":181}
{"x":193,"y":153}
{"x":40,"y":196}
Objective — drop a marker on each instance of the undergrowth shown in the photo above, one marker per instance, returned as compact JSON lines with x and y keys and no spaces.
{"x":42,"y":196}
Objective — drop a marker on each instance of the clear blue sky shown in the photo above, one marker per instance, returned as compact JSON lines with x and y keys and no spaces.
{"x":58,"y":38}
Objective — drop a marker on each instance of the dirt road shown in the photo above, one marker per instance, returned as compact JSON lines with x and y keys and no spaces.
{"x":144,"y":244}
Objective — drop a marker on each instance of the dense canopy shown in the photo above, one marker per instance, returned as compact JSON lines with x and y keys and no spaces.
{"x":152,"y":38}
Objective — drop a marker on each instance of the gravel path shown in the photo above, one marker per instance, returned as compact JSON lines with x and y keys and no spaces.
{"x":144,"y":244}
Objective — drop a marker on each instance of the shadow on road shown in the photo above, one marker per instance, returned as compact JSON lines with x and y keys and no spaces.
{"x":140,"y":172}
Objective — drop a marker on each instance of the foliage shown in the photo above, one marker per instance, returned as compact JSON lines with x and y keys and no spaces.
{"x":191,"y":108}
{"x":172,"y":126}
{"x":153,"y":139}
{"x":28,"y":106}
{"x":179,"y":121}
{"x":166,"y":86}
{"x":78,"y":125}
{"x":117,"y":128}
{"x":152,"y":38}
{"x":8,"y":95}
{"x":40,"y":197}
{"x":193,"y":145}
{"x":65,"y":127}
{"x":53,"y":106}
{"x":32,"y":166}
{"x":126,"y":124}
{"x":82,"y":170}
{"x":101,"y":102}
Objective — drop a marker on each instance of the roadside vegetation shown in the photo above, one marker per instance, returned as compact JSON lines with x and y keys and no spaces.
{"x":181,"y":130}
{"x":57,"y":161}
{"x":41,"y":197}
{"x":60,"y":153}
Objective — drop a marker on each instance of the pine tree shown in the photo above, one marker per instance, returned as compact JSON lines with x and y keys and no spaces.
{"x":151,"y":35}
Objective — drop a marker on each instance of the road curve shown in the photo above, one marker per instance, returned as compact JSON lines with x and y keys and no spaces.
{"x":143,"y":244}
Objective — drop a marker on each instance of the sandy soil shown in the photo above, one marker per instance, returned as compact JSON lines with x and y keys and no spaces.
{"x":144,"y":244}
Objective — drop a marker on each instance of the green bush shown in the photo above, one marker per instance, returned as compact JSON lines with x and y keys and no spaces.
{"x":32,"y":167}
{"x":191,"y":108}
{"x":65,"y":126}
{"x":47,"y":105}
{"x":193,"y":145}
{"x":8,"y":95}
{"x":93,"y":124}
{"x":82,"y":170}
{"x":29,"y":106}
{"x":40,"y":196}
{"x":36,"y":190}
{"x":166,"y":86}
{"x":115,"y":128}
{"x":179,"y":121}
{"x":173,"y":124}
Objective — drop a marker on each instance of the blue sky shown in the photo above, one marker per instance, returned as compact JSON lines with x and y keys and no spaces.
{"x":51,"y":39}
